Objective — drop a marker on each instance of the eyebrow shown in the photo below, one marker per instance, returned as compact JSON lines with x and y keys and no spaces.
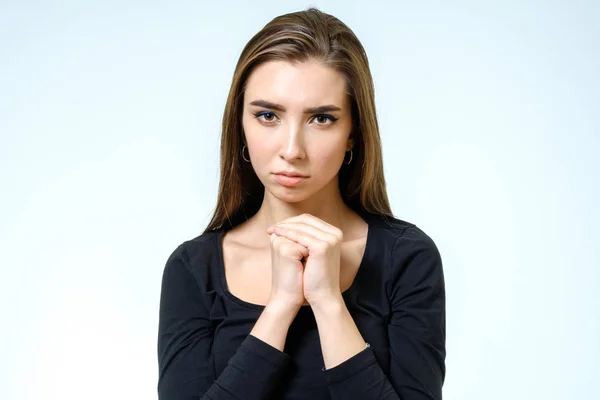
{"x":279,"y":107}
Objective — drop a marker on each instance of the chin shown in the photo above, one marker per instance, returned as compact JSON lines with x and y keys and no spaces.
{"x":289,"y":195}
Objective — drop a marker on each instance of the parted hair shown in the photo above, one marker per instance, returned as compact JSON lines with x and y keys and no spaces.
{"x":298,"y":37}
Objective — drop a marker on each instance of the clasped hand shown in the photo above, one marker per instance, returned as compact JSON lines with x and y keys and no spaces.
{"x":305,"y":259}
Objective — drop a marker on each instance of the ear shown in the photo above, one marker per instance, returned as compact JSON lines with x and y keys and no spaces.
{"x":350,"y":144}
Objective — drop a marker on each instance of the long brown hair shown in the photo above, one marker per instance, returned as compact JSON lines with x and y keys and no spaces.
{"x":298,"y":37}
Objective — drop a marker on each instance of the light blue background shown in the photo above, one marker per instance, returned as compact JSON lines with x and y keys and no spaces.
{"x":109,"y":121}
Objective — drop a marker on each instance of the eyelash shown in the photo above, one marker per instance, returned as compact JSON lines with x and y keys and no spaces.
{"x":261,"y":113}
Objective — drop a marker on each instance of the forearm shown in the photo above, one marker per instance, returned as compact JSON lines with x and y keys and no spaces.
{"x":340,"y":338}
{"x":352,"y":371}
{"x":259,"y":362}
{"x":185,"y":347}
{"x":273,"y":324}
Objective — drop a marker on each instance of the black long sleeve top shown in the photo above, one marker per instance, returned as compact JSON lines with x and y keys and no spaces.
{"x":397,"y":301}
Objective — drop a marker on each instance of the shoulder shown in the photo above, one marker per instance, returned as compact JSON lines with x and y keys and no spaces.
{"x":199,"y":246}
{"x":397,"y":231}
{"x":197,"y":256}
{"x":404,"y":242}
{"x":412,"y":259}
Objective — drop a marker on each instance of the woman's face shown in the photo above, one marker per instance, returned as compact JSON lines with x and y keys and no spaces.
{"x":297,"y":120}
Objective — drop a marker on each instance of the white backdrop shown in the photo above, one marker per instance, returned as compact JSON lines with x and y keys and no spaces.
{"x":109,"y":121}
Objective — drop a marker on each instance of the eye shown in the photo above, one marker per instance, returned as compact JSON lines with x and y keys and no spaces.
{"x":324,"y":119}
{"x":266,"y":116}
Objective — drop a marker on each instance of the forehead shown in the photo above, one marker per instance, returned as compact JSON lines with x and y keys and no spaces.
{"x":308,"y":83}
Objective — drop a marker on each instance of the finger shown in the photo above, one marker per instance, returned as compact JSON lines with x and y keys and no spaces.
{"x":330,"y":236}
{"x":306,"y":228}
{"x":305,"y":235}
{"x":287,"y":246}
{"x":314,"y":221}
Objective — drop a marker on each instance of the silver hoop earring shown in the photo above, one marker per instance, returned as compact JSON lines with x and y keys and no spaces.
{"x":243,"y":156}
{"x":350,"y":160}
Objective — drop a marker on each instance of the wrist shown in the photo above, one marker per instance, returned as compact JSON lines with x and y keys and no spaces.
{"x":281,"y":311}
{"x":273,"y":324}
{"x":328,"y":306}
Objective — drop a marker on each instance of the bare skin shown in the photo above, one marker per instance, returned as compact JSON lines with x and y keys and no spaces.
{"x":304,"y":245}
{"x":248,"y":261}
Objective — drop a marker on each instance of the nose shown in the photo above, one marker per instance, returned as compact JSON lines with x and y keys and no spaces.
{"x":292,"y":146}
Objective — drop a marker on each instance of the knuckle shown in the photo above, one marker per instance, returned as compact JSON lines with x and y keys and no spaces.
{"x":287,"y":249}
{"x":323,"y":246}
{"x":284,"y":248}
{"x":275,"y":240}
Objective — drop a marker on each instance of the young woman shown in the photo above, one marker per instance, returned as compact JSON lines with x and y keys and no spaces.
{"x":303,"y":285}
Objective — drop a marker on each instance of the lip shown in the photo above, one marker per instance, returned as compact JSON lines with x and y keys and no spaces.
{"x":291,"y":174}
{"x":289,"y":179}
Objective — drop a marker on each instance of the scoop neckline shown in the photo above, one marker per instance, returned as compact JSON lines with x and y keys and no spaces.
{"x":223,"y":279}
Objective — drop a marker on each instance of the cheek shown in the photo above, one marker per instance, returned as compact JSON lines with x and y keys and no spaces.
{"x":258,"y":148}
{"x":262,"y":152}
{"x":329,"y":156}
{"x":330,"y":152}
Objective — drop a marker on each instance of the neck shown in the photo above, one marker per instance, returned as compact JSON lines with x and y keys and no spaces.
{"x":327,"y":205}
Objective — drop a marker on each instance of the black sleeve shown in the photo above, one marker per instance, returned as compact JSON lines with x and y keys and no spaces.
{"x":185,"y":337}
{"x":416,"y":329}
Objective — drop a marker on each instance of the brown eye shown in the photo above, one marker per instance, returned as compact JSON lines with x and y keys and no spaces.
{"x":266,"y":116}
{"x":324,"y":119}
